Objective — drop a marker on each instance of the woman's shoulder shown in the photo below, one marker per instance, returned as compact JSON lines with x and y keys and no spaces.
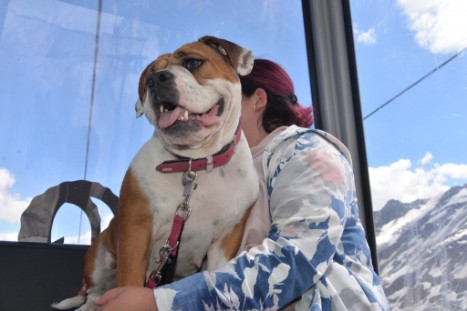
{"x":295,"y":139}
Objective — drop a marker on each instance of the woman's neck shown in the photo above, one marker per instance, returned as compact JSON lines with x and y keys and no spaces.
{"x":256,"y":136}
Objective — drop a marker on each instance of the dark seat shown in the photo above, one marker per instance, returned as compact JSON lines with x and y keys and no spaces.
{"x":33,"y":275}
{"x":34,"y":272}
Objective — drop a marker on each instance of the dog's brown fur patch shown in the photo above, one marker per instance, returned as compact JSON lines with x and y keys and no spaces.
{"x":231,"y":243}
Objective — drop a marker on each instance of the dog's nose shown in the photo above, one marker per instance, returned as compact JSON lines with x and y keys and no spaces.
{"x":160,"y":78}
{"x":163,"y":76}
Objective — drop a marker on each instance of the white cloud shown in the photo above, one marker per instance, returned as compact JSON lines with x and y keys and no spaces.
{"x":439,"y":25}
{"x":11,"y":204}
{"x":84,"y":239}
{"x":368,"y":37}
{"x":426,"y":158}
{"x":9,"y":236}
{"x":401,"y":181}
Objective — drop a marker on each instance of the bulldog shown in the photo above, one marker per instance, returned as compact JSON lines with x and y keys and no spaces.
{"x":188,"y":191}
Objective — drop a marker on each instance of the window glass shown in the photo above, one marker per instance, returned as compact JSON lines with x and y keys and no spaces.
{"x":412,"y":69}
{"x":70,"y":70}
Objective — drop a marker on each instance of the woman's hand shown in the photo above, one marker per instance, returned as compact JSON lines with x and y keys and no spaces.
{"x":127,"y":298}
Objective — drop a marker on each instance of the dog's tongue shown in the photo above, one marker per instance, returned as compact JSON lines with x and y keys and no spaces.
{"x":169,"y":117}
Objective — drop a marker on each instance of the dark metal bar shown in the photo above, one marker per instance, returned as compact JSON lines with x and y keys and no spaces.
{"x":335,"y":92}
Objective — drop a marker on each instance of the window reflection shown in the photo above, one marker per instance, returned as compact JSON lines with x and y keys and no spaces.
{"x":69,"y":72}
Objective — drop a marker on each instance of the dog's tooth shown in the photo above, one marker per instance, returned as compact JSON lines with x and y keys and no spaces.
{"x":161,"y":108}
{"x":184,"y":116}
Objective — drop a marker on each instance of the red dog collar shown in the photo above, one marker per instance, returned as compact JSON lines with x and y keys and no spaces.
{"x":216,"y":160}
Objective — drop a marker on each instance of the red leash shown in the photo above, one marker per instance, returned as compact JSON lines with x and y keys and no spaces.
{"x":165,"y":270}
{"x":168,"y":253}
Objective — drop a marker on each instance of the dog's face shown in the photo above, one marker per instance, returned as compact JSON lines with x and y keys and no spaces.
{"x":193,"y":95}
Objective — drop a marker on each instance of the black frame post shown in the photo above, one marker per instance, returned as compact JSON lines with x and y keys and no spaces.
{"x":335,"y":92}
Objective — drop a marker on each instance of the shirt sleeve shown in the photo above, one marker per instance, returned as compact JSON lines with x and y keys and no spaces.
{"x":310,"y":187}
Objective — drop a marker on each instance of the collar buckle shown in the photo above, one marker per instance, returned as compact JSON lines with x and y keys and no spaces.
{"x":209,"y":163}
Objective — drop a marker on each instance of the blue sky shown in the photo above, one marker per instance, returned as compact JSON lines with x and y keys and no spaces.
{"x":417,"y":144}
{"x":46,"y":68}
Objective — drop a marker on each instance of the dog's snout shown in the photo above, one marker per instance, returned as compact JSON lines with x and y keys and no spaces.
{"x":163,"y":76}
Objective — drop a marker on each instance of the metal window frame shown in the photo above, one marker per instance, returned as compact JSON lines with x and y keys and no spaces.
{"x":335,"y":92}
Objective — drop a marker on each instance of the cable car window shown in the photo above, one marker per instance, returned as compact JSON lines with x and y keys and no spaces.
{"x":70,"y":71}
{"x":412,"y":62}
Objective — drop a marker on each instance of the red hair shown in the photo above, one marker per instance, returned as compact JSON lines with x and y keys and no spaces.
{"x":283,"y":107}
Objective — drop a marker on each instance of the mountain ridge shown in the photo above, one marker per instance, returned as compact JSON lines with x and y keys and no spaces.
{"x":421,"y":251}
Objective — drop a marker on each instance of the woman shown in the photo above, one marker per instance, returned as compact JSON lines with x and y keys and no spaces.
{"x":304,"y":247}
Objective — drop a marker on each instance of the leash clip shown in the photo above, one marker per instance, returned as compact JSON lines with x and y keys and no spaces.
{"x":165,"y":251}
{"x":189,"y":185}
{"x":184,"y":211}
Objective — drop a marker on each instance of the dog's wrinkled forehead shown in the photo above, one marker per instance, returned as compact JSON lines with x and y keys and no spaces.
{"x":212,"y":63}
{"x":162,"y":62}
{"x":220,"y":59}
{"x":212,"y":58}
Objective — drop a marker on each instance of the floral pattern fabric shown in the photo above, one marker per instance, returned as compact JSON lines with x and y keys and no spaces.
{"x":315,"y":256}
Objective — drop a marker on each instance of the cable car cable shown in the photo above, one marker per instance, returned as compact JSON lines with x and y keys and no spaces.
{"x":415,"y":83}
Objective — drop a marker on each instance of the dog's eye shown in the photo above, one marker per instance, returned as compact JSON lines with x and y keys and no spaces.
{"x":192,"y":63}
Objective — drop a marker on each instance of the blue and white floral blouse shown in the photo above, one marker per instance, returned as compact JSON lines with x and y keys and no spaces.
{"x":315,"y":256}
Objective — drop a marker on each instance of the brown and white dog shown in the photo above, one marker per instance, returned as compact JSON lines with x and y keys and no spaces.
{"x":193,"y":98}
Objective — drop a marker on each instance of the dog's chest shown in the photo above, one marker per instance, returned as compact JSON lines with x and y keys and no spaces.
{"x":217,"y":202}
{"x":215,"y":199}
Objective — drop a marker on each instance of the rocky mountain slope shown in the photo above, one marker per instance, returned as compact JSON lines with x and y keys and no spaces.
{"x":422,"y":252}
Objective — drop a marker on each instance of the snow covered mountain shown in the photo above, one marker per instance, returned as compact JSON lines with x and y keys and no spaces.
{"x":422,"y":252}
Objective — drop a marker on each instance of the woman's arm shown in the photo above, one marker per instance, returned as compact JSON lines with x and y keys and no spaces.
{"x":127,"y":298}
{"x":310,"y":192}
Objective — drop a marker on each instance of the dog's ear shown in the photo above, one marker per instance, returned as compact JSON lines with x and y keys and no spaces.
{"x":143,"y":81}
{"x":142,"y":89}
{"x":241,"y":59}
{"x":139,"y":108}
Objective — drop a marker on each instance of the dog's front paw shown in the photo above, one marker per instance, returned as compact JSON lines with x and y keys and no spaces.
{"x":69,"y":303}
